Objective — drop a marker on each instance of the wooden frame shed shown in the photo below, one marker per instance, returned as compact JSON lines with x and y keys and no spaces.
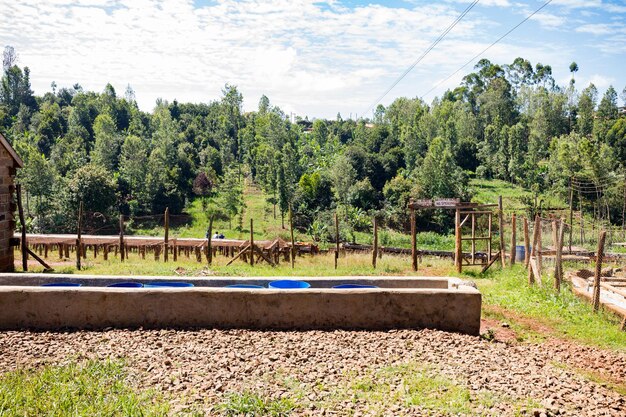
{"x":9,"y":162}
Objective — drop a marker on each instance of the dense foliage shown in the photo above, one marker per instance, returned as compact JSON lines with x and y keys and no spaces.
{"x":511,"y":122}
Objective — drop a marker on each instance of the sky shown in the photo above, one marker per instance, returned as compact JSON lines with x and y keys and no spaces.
{"x":311,"y":58}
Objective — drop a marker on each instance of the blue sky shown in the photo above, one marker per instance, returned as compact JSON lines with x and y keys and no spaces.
{"x":312,"y":58}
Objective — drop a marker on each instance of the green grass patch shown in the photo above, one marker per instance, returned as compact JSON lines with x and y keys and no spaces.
{"x":93,"y":388}
{"x":569,"y":316}
{"x":413,"y":385}
{"x":252,"y":404}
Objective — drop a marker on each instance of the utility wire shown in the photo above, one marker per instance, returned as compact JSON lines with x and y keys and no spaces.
{"x":418,"y":60}
{"x":486,"y":49}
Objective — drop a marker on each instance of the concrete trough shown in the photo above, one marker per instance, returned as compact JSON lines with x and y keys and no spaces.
{"x":399,"y":302}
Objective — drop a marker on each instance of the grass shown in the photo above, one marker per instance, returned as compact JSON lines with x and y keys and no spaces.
{"x":252,"y":404}
{"x":89,"y":389}
{"x":411,"y":385}
{"x":539,"y":309}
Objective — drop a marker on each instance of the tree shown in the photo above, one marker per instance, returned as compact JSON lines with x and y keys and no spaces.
{"x":9,"y":58}
{"x":586,"y":107}
{"x":439,"y":176}
{"x":606,"y":114}
{"x":107,"y":145}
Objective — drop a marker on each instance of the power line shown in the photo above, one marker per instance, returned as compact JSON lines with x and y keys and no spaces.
{"x":418,"y":60}
{"x":486,"y":49}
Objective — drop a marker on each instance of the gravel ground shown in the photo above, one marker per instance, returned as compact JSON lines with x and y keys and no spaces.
{"x":199,"y":369}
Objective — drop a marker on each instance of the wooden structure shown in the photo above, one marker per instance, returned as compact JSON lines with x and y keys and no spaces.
{"x":464,"y":211}
{"x":106,"y":245}
{"x":9,"y":162}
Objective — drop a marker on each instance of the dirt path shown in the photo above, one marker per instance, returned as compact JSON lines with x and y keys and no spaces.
{"x":319,"y":369}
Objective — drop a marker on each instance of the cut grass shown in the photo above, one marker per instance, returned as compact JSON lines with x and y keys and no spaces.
{"x":89,"y":389}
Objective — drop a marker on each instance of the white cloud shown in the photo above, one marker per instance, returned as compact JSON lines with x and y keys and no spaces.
{"x":315,"y":58}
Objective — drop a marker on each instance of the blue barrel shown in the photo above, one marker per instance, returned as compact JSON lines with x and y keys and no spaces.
{"x":244,"y":286}
{"x":288,"y":284}
{"x":352,"y":286}
{"x":520,"y":253}
{"x":62,"y":284}
{"x":126,"y":285}
{"x":166,"y":284}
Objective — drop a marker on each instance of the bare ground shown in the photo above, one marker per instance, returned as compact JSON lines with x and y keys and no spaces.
{"x":318,"y":370}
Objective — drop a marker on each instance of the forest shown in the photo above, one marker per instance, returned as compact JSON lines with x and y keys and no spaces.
{"x":504,"y":121}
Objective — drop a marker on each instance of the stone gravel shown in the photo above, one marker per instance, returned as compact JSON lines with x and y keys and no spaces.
{"x":200,"y":368}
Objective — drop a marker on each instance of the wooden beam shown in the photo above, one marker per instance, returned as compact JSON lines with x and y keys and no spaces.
{"x":501,"y":232}
{"x":166,"y":244}
{"x":413,"y":241}
{"x":41,"y":261}
{"x":488,"y":265}
{"x":23,"y":243}
{"x":513,"y":238}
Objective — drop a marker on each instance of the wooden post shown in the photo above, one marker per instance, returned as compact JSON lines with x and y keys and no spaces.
{"x":23,"y":243}
{"x":209,"y":237}
{"x":293,"y":242}
{"x":375,"y":245}
{"x":513,"y":238}
{"x":413,"y":240}
{"x":489,"y":231}
{"x":558,"y":276}
{"x":571,"y":214}
{"x":166,"y":245}
{"x":473,"y":238}
{"x":174,"y":250}
{"x":336,"y":239}
{"x":531,"y":275}
{"x":60,"y":247}
{"x":501,"y":231}
{"x":459,"y":243}
{"x":598,"y":271}
{"x":79,"y":242}
{"x":122,"y":237}
{"x":251,"y":241}
{"x":539,"y":250}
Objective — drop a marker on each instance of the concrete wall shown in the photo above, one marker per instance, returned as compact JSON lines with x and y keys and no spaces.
{"x":93,"y":308}
{"x":7,"y":221}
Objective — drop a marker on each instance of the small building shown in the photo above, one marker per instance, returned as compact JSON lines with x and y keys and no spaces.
{"x":9,"y":162}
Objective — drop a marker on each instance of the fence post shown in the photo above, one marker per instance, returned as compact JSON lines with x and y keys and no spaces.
{"x":293,"y":242}
{"x":122,"y":237}
{"x":598,"y":272}
{"x":558,"y":276}
{"x":336,"y":239}
{"x":209,"y":237}
{"x":513,"y":238}
{"x":23,"y":243}
{"x":459,"y":242}
{"x":79,"y":243}
{"x":413,"y":240}
{"x":251,"y":241}
{"x":166,"y":245}
{"x":501,"y":231}
{"x":375,"y":244}
{"x":531,"y":275}
{"x":526,"y":244}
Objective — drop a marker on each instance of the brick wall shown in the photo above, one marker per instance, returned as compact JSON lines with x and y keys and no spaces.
{"x":7,"y":208}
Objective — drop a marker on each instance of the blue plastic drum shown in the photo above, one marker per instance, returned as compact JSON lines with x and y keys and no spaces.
{"x":289,"y":284}
{"x":249,"y":286}
{"x":353,"y":286}
{"x":62,"y":284}
{"x":166,"y":284}
{"x":126,"y":285}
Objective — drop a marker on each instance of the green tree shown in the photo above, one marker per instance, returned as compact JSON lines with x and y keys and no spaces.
{"x":107,"y":145}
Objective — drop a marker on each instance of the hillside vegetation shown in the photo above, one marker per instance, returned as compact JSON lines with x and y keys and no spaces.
{"x":511,"y":123}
